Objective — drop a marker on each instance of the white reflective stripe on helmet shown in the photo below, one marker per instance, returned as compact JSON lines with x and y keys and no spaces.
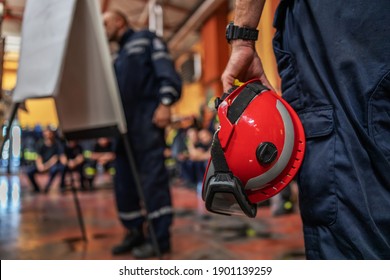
{"x":289,"y":136}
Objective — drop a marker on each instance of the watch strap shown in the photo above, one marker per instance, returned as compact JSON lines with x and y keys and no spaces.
{"x":234,"y":32}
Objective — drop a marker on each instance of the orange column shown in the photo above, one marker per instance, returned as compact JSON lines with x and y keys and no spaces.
{"x":215,"y":51}
{"x":264,"y":45}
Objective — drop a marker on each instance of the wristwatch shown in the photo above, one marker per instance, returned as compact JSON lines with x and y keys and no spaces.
{"x":166,"y":101}
{"x":234,"y":32}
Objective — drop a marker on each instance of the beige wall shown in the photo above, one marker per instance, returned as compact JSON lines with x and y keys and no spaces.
{"x":40,"y":111}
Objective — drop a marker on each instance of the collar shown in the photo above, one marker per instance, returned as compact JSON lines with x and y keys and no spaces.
{"x":125,"y":37}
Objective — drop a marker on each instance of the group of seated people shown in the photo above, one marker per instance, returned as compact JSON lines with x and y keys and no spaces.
{"x":191,"y":152}
{"x":55,"y":157}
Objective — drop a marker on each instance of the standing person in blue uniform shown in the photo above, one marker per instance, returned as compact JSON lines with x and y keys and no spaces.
{"x":334,"y":61}
{"x":148,"y":85}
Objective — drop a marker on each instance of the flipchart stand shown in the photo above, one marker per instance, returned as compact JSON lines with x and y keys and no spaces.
{"x":65,"y":56}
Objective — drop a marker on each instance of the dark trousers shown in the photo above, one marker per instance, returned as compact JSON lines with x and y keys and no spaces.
{"x":334,"y":60}
{"x":192,"y":171}
{"x":148,"y":145}
{"x":53,"y":171}
{"x":79,"y":169}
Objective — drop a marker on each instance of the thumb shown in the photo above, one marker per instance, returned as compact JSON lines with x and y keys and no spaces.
{"x":227,"y":81}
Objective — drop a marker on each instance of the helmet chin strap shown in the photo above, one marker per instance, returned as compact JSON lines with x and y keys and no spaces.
{"x":218,"y":157}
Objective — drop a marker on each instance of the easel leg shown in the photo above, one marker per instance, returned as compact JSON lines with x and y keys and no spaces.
{"x":78,"y":209}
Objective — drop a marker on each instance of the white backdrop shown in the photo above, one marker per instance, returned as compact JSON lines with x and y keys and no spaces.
{"x":65,"y":55}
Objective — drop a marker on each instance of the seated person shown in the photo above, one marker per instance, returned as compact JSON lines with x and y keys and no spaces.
{"x":200,"y":153}
{"x":73,"y":160}
{"x":186,"y":140}
{"x":103,"y":156}
{"x":48,"y":160}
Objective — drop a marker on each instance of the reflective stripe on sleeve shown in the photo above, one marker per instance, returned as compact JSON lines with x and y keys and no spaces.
{"x":169,"y":89}
{"x":136,"y":46}
{"x":161,"y":54}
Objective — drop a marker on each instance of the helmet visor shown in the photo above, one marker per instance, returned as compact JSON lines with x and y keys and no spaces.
{"x":224,"y":195}
{"x":225,"y":203}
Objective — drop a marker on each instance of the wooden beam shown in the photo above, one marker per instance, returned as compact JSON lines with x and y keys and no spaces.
{"x":194,"y":22}
{"x":166,"y":4}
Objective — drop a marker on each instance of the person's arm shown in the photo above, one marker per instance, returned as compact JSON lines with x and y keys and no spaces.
{"x":39,"y":164}
{"x":58,"y":150}
{"x":106,"y":157}
{"x":199,"y":154}
{"x":244,"y":62}
{"x":63,"y":159}
{"x":51,"y":162}
{"x":79,"y":159}
{"x":247,"y":13}
{"x":95,"y":156}
{"x":169,"y":81}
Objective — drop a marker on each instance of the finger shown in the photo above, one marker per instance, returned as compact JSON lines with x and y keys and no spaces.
{"x":227,"y":81}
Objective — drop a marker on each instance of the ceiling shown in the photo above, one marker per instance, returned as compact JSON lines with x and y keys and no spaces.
{"x":181,"y":19}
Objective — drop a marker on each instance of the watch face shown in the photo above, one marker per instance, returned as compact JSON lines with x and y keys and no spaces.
{"x":229,"y":31}
{"x":166,"y":101}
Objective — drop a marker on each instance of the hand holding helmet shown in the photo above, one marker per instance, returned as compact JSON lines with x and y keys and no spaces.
{"x":256,"y":152}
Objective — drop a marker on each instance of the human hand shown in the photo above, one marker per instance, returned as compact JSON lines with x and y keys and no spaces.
{"x":162,"y":116}
{"x":71,"y":164}
{"x":40,"y":167}
{"x":244,"y":64}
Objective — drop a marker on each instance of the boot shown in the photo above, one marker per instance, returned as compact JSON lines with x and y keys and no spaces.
{"x":133,"y":238}
{"x":147,"y":251}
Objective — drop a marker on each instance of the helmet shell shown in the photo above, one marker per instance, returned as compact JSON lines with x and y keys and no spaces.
{"x":264,"y":148}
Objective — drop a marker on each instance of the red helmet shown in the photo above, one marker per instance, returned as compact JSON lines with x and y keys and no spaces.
{"x":256,"y":151}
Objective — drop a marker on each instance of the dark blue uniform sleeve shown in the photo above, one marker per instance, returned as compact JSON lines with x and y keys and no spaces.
{"x":169,"y":80}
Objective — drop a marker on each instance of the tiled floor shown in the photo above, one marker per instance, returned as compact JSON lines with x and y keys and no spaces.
{"x":47,"y":227}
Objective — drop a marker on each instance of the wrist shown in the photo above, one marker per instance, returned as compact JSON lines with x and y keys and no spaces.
{"x":243,"y":43}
